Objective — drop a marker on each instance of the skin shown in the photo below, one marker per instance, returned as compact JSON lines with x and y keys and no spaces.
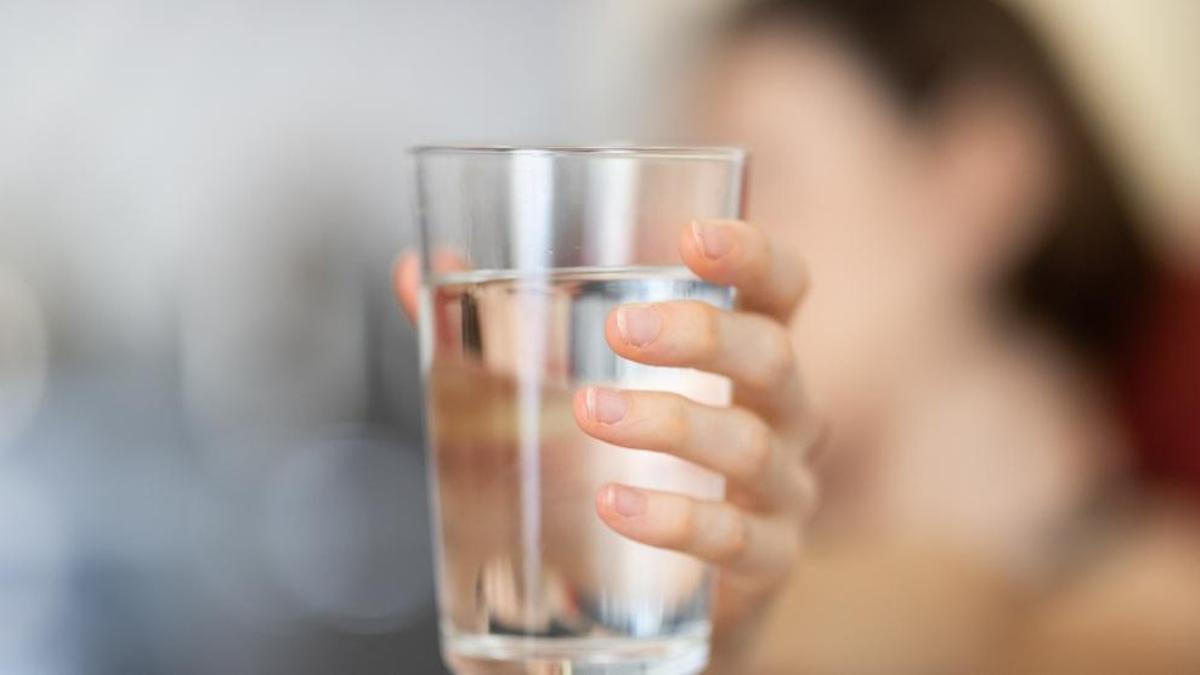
{"x":967,"y":442}
{"x":763,"y":444}
{"x":909,"y":225}
{"x":905,"y":230}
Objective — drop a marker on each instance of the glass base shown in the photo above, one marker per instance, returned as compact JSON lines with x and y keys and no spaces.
{"x":515,"y":655}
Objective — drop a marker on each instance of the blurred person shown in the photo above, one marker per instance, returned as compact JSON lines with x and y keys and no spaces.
{"x":977,"y":277}
{"x":976,"y":274}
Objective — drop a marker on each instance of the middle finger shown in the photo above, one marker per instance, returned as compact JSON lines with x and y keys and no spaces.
{"x":731,"y":441}
{"x":752,"y":350}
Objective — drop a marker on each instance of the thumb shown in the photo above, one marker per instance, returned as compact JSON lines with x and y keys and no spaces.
{"x":406,"y":278}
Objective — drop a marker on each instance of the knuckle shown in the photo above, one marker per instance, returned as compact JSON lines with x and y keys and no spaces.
{"x":758,"y":250}
{"x":759,"y":445}
{"x":798,"y":290}
{"x":682,"y":532}
{"x":792,"y":287}
{"x":706,"y":331}
{"x":675,"y":424}
{"x":777,"y":359}
{"x":734,"y":538}
{"x":757,"y":261}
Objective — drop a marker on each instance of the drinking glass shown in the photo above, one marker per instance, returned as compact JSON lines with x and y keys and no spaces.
{"x":525,"y":251}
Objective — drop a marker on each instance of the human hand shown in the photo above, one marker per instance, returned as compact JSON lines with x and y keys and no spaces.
{"x":762,"y":444}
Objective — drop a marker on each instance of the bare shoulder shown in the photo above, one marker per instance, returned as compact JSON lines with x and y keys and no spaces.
{"x":1135,"y":607}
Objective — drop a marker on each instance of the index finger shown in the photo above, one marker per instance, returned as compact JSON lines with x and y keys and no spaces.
{"x":735,"y":253}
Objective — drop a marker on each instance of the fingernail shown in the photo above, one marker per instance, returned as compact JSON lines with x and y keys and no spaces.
{"x":713,"y":238}
{"x":626,"y":501}
{"x":638,"y":324}
{"x":605,"y":406}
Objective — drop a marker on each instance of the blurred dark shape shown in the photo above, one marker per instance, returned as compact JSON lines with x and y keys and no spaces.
{"x":1088,"y":276}
{"x":1161,"y":389}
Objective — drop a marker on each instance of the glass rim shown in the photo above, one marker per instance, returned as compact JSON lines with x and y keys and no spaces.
{"x":697,"y":152}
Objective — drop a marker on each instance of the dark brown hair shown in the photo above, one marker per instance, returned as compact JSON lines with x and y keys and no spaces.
{"x":1087,"y":276}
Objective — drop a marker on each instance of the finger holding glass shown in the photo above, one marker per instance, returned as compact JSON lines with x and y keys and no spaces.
{"x":760,"y":445}
{"x":556,"y":322}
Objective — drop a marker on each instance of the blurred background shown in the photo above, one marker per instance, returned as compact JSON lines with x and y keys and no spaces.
{"x":210,"y":422}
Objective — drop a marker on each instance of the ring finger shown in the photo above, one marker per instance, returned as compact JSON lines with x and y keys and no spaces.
{"x":717,"y":532}
{"x":731,"y":441}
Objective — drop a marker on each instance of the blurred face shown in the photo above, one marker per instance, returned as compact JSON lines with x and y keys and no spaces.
{"x":865,"y":196}
{"x":831,"y":175}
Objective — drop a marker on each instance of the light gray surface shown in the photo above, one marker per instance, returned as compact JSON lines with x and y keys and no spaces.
{"x":209,"y":413}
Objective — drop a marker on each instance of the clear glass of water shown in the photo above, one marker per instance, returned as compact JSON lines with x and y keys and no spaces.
{"x":525,"y":252}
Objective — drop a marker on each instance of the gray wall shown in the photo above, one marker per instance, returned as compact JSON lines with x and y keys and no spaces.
{"x":209,"y":410}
